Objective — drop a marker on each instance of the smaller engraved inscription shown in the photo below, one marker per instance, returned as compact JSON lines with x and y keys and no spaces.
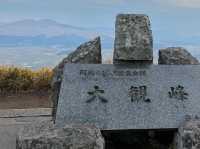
{"x":96,"y":93}
{"x":138,"y":94}
{"x":111,"y":73}
{"x":178,"y":93}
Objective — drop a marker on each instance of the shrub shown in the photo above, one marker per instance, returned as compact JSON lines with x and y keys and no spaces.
{"x":16,"y":79}
{"x":42,"y":79}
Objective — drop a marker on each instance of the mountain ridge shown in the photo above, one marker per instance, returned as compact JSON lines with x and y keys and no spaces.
{"x":48,"y":32}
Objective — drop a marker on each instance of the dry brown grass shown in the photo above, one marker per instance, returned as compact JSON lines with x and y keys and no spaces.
{"x":16,"y":79}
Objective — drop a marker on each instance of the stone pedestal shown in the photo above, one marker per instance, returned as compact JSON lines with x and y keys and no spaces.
{"x":188,"y":136}
{"x":46,"y":136}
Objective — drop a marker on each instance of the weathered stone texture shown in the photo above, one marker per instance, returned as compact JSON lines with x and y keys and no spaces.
{"x":108,"y":95}
{"x":43,"y":136}
{"x":176,"y":56}
{"x":133,"y":39}
{"x":188,"y":136}
{"x":87,"y":53}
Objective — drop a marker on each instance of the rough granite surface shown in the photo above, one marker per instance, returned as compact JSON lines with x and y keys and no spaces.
{"x":176,"y":56}
{"x":120,"y":97}
{"x":87,"y":53}
{"x":46,"y":136}
{"x":133,"y":38}
{"x":188,"y":136}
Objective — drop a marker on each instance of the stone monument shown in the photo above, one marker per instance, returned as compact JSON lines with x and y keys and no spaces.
{"x":133,"y":39}
{"x":129,"y":96}
{"x":121,"y":97}
{"x":126,"y":96}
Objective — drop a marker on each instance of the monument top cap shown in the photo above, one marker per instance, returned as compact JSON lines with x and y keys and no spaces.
{"x":133,"y":38}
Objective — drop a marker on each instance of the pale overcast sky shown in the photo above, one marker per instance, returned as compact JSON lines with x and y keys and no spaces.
{"x":170,"y":19}
{"x":101,"y":12}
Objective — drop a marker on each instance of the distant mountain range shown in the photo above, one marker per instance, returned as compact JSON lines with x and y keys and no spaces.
{"x":49,"y":33}
{"x":41,"y":43}
{"x":38,"y":43}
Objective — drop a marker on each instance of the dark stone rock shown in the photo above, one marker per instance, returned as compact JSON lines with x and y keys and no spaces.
{"x":133,"y":40}
{"x":46,"y":136}
{"x":188,"y":136}
{"x":176,"y":56}
{"x":87,"y":53}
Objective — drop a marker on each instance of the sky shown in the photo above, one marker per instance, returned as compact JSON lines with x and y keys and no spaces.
{"x":101,"y":13}
{"x":171,"y":20}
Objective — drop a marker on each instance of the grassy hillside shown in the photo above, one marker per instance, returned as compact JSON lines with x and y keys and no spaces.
{"x":17,"y":79}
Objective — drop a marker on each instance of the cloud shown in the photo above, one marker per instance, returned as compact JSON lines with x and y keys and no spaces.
{"x":10,"y":1}
{"x":175,"y":3}
{"x":107,"y":2}
{"x":181,"y":3}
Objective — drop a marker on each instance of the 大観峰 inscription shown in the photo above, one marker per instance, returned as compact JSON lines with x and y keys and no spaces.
{"x":129,"y":97}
